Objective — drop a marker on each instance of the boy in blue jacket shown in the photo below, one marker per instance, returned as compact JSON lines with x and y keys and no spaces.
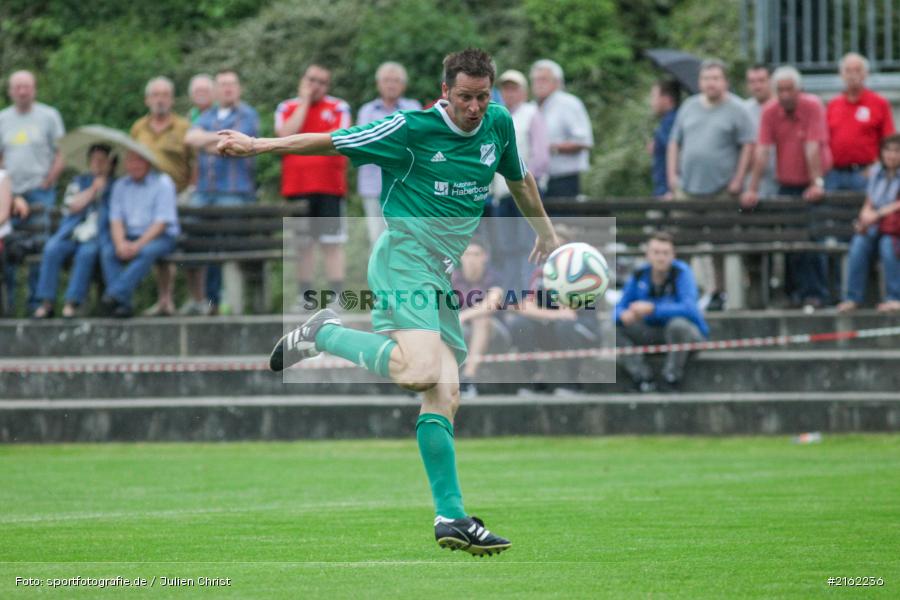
{"x":659,"y":306}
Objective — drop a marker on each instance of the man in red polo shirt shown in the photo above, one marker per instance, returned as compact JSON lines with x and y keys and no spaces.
{"x":858,"y":120}
{"x":319,"y":180}
{"x":795,"y":126}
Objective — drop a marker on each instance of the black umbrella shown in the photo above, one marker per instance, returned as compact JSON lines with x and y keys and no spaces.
{"x":685,"y":67}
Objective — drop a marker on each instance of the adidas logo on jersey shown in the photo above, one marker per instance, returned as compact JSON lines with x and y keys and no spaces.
{"x":438,"y":157}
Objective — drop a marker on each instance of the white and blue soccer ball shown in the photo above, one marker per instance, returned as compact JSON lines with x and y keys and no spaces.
{"x":578,"y":273}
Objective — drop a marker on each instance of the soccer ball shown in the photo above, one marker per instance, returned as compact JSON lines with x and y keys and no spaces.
{"x":578,"y":273}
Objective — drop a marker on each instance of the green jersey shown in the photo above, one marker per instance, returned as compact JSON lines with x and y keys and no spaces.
{"x":435,"y":176}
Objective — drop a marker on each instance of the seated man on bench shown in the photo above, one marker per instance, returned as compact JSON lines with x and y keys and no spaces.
{"x":144,"y":228}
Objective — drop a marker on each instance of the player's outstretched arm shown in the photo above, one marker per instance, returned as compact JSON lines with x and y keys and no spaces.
{"x":528,"y":199}
{"x":235,"y":143}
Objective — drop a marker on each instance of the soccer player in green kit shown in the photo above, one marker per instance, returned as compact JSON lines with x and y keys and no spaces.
{"x":436,"y":166}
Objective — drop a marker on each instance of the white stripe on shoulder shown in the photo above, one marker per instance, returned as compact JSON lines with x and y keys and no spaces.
{"x":352,"y":136}
{"x":388,"y":122}
{"x":340,"y":142}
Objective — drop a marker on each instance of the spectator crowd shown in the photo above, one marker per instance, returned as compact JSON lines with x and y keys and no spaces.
{"x":129,"y":225}
{"x":122,"y":212}
{"x":782,"y":141}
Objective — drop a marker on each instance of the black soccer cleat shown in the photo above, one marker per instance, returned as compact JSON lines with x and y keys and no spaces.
{"x":468,"y":534}
{"x":300,"y":343}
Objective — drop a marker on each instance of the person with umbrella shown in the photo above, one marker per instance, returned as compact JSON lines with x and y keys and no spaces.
{"x":79,"y":235}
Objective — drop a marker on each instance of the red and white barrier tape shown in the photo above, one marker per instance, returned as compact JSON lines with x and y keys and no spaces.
{"x":188,"y":365}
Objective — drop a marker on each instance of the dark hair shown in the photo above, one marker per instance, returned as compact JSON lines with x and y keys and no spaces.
{"x":477,"y":240}
{"x":714,"y":63}
{"x":663,"y":236}
{"x":891,"y":140}
{"x":670,"y":89}
{"x":106,"y":148}
{"x":474,"y":62}
{"x":318,"y":65}
{"x":760,"y":67}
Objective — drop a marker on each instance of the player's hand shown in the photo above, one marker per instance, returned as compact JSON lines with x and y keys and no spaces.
{"x":235,"y":143}
{"x":543,"y":246}
{"x":734,"y":187}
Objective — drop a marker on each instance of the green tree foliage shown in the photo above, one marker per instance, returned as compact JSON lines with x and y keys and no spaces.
{"x":587,"y":36}
{"x":709,"y":29}
{"x":599,"y":44}
{"x":405,"y":31}
{"x":270,"y":51}
{"x":93,"y":59}
{"x":98,"y":75}
{"x":31,"y":29}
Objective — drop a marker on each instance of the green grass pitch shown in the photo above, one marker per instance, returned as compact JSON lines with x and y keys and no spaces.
{"x":619,"y":517}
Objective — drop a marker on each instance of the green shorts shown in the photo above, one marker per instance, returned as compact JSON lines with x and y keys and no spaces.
{"x":413,"y":291}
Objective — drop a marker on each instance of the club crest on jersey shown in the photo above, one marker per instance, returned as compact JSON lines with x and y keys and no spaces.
{"x":488,"y":154}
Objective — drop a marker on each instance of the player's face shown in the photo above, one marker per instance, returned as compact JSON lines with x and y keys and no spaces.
{"x":660,"y":255}
{"x":758,"y":84}
{"x":713,"y":84}
{"x":469,"y":98}
{"x":159,"y":99}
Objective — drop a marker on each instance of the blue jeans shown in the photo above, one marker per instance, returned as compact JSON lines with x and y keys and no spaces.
{"x":123,"y":278}
{"x":854,"y":181}
{"x":59,"y":248}
{"x":807,"y":271}
{"x":214,"y":271}
{"x":863,"y":248}
{"x":45,"y":197}
{"x":563,"y":186}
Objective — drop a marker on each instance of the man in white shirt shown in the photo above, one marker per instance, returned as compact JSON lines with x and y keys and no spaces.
{"x":568,"y":128}
{"x":511,"y":236}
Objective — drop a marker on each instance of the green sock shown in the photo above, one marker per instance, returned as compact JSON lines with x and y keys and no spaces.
{"x":369,"y":350}
{"x":435,"y":436}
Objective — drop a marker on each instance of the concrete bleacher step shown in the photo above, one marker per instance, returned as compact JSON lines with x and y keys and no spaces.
{"x":253,"y":335}
{"x":217,"y":418}
{"x":808,"y":370}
